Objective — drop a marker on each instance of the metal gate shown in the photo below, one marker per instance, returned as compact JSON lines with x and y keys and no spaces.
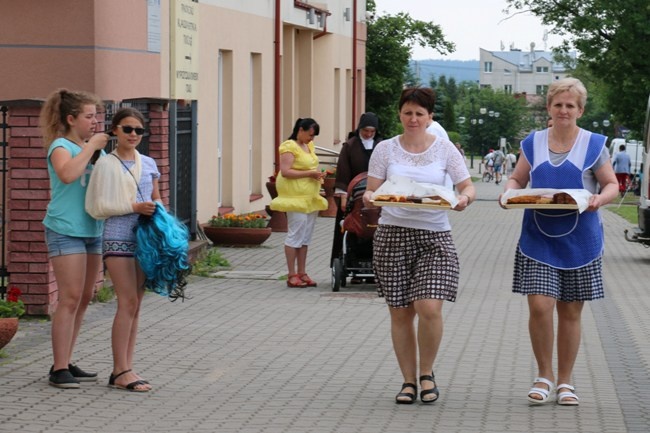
{"x":182,"y":151}
{"x":4,"y":274}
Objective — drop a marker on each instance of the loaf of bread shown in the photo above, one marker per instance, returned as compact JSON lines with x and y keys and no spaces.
{"x":558,"y":198}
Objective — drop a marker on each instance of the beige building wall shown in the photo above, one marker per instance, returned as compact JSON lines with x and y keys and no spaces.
{"x":237,"y":137}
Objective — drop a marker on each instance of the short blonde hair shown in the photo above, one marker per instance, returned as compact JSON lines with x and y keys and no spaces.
{"x":571,"y":85}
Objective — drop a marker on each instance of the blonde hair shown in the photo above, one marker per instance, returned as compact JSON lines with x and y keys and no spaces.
{"x":571,"y":85}
{"x":58,"y":106}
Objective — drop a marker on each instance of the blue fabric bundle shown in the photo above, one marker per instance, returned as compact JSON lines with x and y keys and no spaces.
{"x":162,"y":251}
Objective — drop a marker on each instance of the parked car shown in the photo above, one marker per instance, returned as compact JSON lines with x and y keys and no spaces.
{"x":641,"y":234}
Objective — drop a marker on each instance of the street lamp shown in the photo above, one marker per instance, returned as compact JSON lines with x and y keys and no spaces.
{"x":606,"y":124}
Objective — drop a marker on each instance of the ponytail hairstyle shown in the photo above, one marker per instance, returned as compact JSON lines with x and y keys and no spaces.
{"x":305,"y":125}
{"x":58,"y":106}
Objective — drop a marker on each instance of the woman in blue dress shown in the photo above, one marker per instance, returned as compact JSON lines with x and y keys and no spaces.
{"x":558,"y":262}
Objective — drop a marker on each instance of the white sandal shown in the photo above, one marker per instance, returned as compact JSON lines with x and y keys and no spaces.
{"x":563,"y":397}
{"x":544,"y":393}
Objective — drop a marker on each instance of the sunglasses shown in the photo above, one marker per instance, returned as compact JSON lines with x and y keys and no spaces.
{"x":130,"y":129}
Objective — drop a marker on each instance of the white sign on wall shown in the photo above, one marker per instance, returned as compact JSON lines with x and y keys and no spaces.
{"x":184,"y":36}
{"x":153,"y":26}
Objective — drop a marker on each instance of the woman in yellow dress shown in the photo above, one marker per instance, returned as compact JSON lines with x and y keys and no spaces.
{"x":298,"y":184}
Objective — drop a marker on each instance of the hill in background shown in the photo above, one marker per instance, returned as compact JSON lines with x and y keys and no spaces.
{"x":460,"y":70}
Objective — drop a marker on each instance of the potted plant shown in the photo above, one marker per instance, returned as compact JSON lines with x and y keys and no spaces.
{"x":237,"y":230}
{"x":278,"y":221}
{"x":11,"y":308}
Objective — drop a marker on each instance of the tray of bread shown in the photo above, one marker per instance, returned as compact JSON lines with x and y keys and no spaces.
{"x":400,"y":191}
{"x":544,"y":198}
{"x":427,"y":202}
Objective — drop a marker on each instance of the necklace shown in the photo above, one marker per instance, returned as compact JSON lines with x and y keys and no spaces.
{"x":563,"y":144}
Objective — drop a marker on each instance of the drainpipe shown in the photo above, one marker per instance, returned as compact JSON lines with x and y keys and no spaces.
{"x":354,"y":64}
{"x":324,"y":32}
{"x":276,"y":89}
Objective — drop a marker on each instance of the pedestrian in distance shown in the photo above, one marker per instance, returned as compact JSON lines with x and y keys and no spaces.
{"x":124,"y":186}
{"x":558,"y":260}
{"x":298,"y":183}
{"x":414,"y":257}
{"x":498,"y":159}
{"x":510,"y":162}
{"x":622,"y":168}
{"x":73,"y":237}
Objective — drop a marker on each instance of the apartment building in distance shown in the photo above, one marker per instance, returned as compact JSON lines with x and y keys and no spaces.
{"x":520,"y":72}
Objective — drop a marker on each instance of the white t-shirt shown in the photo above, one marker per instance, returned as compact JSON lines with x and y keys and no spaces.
{"x":436,"y":129}
{"x":439,"y":161}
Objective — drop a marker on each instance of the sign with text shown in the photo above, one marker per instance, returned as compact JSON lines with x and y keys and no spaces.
{"x":184,"y":31}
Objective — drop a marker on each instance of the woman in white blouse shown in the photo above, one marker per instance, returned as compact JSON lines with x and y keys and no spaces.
{"x":414,"y":257}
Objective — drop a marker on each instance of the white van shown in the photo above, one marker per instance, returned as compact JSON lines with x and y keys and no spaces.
{"x":641,"y":234}
{"x":633,"y":148}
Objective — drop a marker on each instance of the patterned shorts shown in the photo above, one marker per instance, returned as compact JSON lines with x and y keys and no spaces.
{"x":118,"y":248}
{"x":412,"y":264}
{"x":567,"y":285}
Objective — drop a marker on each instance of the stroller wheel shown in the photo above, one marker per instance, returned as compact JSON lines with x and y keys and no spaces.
{"x":337,"y":274}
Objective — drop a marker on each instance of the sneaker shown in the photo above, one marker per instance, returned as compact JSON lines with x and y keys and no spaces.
{"x":80,"y":375}
{"x":63,"y":379}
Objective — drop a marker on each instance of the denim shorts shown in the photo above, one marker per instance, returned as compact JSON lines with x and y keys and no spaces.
{"x":63,"y":245}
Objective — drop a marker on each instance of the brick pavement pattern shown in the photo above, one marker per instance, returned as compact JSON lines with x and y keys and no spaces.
{"x":247,"y":354}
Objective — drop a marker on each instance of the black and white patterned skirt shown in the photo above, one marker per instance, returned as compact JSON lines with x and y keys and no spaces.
{"x":531,"y":277}
{"x":413,"y":264}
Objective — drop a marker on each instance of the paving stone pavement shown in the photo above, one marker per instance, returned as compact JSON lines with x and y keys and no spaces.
{"x":247,"y":354}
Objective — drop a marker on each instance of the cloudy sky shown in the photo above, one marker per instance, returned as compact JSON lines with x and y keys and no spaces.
{"x":472,"y":24}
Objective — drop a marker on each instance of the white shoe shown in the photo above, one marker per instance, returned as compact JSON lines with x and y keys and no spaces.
{"x":564,"y":397}
{"x":542,"y":392}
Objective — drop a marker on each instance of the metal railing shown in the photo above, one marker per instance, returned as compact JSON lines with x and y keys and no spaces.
{"x":328,"y":158}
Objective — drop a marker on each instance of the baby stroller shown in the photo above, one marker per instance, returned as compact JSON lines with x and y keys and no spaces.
{"x":358,"y":226}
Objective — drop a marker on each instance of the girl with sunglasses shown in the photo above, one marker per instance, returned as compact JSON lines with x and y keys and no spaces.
{"x":124,"y":186}
{"x":73,"y":237}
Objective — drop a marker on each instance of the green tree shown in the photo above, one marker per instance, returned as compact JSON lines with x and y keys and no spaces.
{"x":388,"y":49}
{"x":483,"y":130}
{"x":610,"y":37}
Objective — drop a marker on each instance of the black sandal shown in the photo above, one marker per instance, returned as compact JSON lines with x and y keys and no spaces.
{"x":434,"y":390}
{"x":409,"y":395}
{"x":129,"y":387}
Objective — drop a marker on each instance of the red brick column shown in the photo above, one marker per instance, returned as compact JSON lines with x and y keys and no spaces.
{"x":159,"y":145}
{"x":28,"y":196}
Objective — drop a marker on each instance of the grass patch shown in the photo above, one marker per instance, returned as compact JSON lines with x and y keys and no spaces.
{"x":209,"y":262}
{"x":105,"y":294}
{"x":628,"y":212}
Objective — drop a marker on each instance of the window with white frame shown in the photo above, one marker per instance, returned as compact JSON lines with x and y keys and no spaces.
{"x":507,"y":88}
{"x":542,"y":69}
{"x":487,"y":67}
{"x":541,"y":89}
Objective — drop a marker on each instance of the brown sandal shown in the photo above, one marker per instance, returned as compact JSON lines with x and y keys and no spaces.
{"x":295,"y":281}
{"x":305,"y":279}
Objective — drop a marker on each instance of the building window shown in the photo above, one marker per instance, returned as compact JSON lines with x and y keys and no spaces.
{"x":487,"y":67}
{"x":542,"y":69}
{"x":541,"y":90}
{"x":507,"y":89}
